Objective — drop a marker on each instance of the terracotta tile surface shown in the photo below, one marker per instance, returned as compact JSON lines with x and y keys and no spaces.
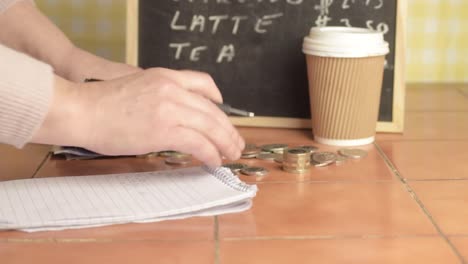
{"x":21,"y":164}
{"x":436,"y":97}
{"x":394,"y":250}
{"x":447,"y":202}
{"x":116,"y":252}
{"x":464,"y":90}
{"x":417,"y":160}
{"x":431,"y":126}
{"x":328,"y":209}
{"x":461,"y":244}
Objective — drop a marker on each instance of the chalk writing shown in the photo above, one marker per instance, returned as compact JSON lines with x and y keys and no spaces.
{"x":219,"y":24}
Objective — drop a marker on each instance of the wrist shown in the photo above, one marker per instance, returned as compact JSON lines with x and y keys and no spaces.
{"x":66,"y":122}
{"x":86,"y":65}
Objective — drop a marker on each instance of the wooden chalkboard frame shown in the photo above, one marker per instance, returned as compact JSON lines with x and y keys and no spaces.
{"x":395,"y":126}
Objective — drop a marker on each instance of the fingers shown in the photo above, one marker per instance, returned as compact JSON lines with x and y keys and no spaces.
{"x":191,"y":118}
{"x":189,"y":141}
{"x":197,"y":82}
{"x":204,"y":105}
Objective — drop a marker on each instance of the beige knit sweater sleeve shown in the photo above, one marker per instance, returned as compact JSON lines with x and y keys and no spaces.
{"x":26,"y":89}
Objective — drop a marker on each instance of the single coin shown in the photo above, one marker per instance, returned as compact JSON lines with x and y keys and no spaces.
{"x":178,"y":160}
{"x":299,"y":159}
{"x":323,"y":158}
{"x":250,"y":149}
{"x":235,"y":167}
{"x":296,"y":165}
{"x":295,"y":171}
{"x":298,"y":152}
{"x":149,"y":155}
{"x":311,"y":149}
{"x":340,"y":159}
{"x":279,"y":159}
{"x":353,"y":153}
{"x":249,"y":156}
{"x":254,"y":171}
{"x":276,"y":148}
{"x":172,"y":153}
{"x":267,"y":156}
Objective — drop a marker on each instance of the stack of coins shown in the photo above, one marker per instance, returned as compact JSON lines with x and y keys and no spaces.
{"x":250,"y":152}
{"x":296,"y":160}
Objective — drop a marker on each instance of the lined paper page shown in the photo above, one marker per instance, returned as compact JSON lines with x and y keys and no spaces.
{"x":68,"y":202}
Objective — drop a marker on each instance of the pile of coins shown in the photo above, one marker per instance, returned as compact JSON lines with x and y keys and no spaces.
{"x":296,"y":160}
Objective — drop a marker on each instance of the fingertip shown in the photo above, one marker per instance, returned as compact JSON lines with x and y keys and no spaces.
{"x":214,"y":163}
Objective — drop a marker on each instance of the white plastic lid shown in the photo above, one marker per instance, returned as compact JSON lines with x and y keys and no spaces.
{"x":344,"y":42}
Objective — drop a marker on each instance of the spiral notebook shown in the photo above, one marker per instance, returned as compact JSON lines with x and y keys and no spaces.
{"x":86,"y":201}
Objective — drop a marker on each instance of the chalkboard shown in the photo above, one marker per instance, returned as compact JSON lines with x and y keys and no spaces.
{"x":252,"y":49}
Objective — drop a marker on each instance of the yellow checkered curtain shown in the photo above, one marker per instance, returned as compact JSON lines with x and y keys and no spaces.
{"x":95,"y":25}
{"x":437,"y":41}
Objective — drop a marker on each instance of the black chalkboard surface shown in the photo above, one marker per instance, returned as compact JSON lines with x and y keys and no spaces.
{"x":253,"y":49}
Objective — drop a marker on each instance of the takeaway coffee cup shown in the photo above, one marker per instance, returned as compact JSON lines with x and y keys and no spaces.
{"x":345,"y":71}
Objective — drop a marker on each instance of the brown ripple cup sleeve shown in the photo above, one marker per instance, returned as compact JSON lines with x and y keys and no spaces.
{"x":345,"y":71}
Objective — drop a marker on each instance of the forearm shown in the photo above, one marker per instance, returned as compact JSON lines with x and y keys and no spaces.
{"x":26,"y":29}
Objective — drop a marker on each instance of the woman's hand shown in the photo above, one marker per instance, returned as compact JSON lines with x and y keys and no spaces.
{"x":151,"y":110}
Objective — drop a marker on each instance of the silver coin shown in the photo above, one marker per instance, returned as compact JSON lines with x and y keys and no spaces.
{"x":353,"y":153}
{"x":277,"y":148}
{"x":250,"y":149}
{"x":148,"y":155}
{"x":254,"y":171}
{"x":249,"y":156}
{"x":279,"y":159}
{"x":171,"y":153}
{"x":267,"y":156}
{"x":323,"y":158}
{"x":311,"y":149}
{"x":178,"y":160}
{"x":340,"y":159}
{"x":235,"y":167}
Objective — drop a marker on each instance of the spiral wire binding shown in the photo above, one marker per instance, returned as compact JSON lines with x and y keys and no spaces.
{"x":227,"y":177}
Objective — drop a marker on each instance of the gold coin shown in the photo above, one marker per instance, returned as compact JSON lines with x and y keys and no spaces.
{"x":295,"y":171}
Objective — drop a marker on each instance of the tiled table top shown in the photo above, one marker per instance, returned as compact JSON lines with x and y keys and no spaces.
{"x":404,"y":203}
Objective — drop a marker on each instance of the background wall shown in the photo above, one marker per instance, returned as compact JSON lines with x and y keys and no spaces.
{"x":437,"y":41}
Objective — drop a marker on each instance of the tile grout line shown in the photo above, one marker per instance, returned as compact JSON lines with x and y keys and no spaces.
{"x":419,"y":202}
{"x":44,"y":160}
{"x":216,"y":240}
